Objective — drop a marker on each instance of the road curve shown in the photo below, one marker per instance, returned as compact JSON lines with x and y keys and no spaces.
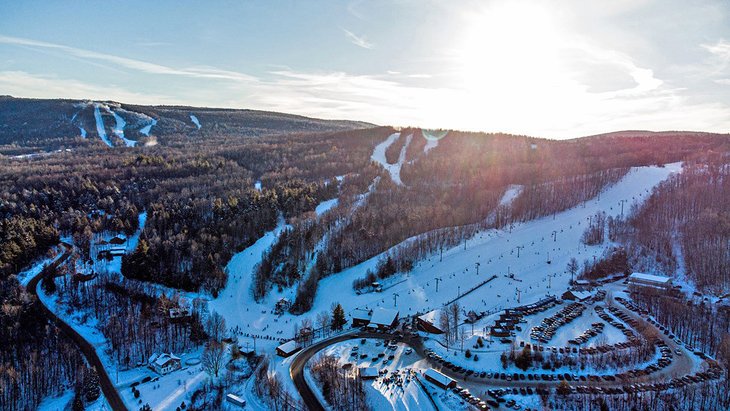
{"x":107,"y":387}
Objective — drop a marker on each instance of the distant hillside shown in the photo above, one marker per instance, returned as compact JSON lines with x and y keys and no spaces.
{"x":51,"y":124}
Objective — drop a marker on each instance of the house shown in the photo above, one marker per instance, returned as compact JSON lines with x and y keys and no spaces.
{"x":288,"y":348}
{"x":438,"y":379}
{"x":236,"y":400}
{"x":164,"y":363}
{"x":642,"y":280}
{"x":360,"y":317}
{"x":117,"y":241}
{"x":573,"y":295}
{"x":368,"y":373}
{"x":429,"y":322}
{"x":384,"y":318}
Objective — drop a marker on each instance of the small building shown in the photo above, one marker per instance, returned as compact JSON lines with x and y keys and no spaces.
{"x":650,"y":280}
{"x":360,"y":317}
{"x":499,"y":332}
{"x":368,"y":373}
{"x":288,"y":348}
{"x":377,"y":287}
{"x":429,"y":322}
{"x":384,"y":318}
{"x":573,"y":295}
{"x":438,"y":379}
{"x":236,"y":400}
{"x":179,"y":313}
{"x":164,"y":363}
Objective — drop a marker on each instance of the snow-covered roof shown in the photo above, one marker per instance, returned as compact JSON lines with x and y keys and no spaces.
{"x":162,"y":359}
{"x":360,"y":314}
{"x":383,"y":316}
{"x":581,"y":295}
{"x":651,"y":278}
{"x":437,"y":376}
{"x":288,"y":347}
{"x":368,"y":372}
{"x":431,"y":316}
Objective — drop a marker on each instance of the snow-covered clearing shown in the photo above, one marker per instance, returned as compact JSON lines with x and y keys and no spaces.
{"x":146,"y":129}
{"x":379,"y":156}
{"x":195,"y":121}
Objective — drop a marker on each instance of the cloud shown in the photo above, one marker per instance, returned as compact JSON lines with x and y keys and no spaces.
{"x":720,"y":49}
{"x":23,"y":84}
{"x":359,"y":41}
{"x":128,"y":63}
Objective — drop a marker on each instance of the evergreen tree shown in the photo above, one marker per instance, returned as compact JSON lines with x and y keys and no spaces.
{"x":338,"y":317}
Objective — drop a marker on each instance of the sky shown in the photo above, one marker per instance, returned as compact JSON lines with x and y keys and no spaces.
{"x":555,"y":69}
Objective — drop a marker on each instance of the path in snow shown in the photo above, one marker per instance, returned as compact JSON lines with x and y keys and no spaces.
{"x":100,"y":126}
{"x":195,"y":121}
{"x":379,"y":156}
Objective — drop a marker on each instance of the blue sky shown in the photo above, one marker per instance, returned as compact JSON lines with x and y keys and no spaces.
{"x":546,"y":68}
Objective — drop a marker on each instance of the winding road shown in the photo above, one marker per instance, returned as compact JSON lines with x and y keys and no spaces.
{"x":107,"y":387}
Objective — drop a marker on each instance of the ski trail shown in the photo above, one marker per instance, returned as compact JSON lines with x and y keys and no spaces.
{"x":100,"y":126}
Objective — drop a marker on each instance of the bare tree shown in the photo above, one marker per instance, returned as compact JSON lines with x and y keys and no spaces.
{"x":215,"y":326}
{"x":213,"y":358}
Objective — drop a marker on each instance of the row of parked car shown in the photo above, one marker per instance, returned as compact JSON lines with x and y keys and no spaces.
{"x":596,"y":328}
{"x":550,"y":325}
{"x":631,"y":337}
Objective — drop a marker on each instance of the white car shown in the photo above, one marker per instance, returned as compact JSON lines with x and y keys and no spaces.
{"x":409,"y":350}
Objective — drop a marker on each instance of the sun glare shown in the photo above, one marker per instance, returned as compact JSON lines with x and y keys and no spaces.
{"x":509,"y":59}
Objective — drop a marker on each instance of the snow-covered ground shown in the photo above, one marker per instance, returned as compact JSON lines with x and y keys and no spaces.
{"x":432,"y":139}
{"x":148,"y":128}
{"x":119,"y":128}
{"x":379,"y":156}
{"x":100,"y":125}
{"x":325,"y":206}
{"x":513,"y":191}
{"x":63,"y":402}
{"x":384,"y":395}
{"x":195,"y":121}
{"x":495,"y":250}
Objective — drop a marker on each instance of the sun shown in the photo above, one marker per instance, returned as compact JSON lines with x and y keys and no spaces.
{"x":509,"y":56}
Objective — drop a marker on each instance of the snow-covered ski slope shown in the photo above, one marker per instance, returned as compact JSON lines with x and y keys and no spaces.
{"x":379,"y":156}
{"x":495,"y":250}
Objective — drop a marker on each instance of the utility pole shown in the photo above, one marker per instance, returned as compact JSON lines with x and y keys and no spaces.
{"x":517,"y":290}
{"x":622,"y":207}
{"x":395,"y":299}
{"x":555,"y":236}
{"x":438,"y":279}
{"x":478,"y":264}
{"x":519,"y":247}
